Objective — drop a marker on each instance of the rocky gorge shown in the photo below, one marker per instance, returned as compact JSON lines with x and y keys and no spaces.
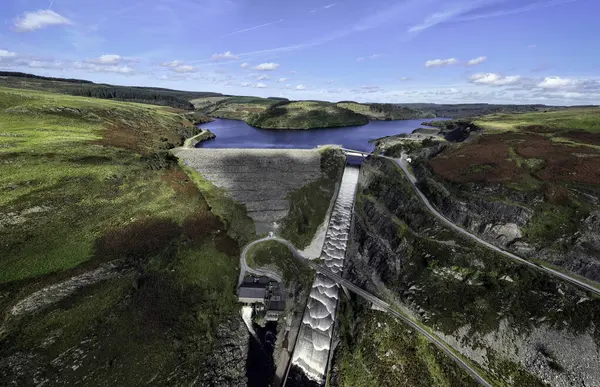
{"x":518,"y":325}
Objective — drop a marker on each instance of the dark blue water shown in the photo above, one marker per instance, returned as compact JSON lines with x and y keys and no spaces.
{"x":238,"y":134}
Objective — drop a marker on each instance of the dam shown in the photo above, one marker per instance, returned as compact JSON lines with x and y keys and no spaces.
{"x":312,"y":350}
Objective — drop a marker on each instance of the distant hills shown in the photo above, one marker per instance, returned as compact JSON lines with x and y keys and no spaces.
{"x":263,"y":112}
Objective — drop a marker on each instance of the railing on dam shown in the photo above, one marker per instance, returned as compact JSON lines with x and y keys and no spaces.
{"x":312,"y":350}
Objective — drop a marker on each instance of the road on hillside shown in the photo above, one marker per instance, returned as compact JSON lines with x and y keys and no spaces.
{"x":377,"y":302}
{"x":244,"y":268}
{"x":401,"y":162}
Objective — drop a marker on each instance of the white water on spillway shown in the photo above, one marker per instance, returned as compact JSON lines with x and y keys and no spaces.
{"x":247,"y":317}
{"x":314,"y":338}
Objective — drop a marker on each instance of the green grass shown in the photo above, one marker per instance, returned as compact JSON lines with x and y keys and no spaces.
{"x":305,"y":115}
{"x":82,"y":188}
{"x":277,"y":255}
{"x":232,"y":214}
{"x":379,"y":350}
{"x":80,"y":314}
{"x":79,"y":186}
{"x":309,"y":204}
{"x":480,"y":298}
{"x":569,"y":119}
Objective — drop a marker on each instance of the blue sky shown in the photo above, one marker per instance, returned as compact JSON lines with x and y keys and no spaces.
{"x":444,"y":51}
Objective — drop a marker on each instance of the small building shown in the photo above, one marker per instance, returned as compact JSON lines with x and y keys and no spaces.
{"x":252,"y":294}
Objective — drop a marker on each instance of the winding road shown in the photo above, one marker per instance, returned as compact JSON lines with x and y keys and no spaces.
{"x":377,"y":302}
{"x":401,"y":162}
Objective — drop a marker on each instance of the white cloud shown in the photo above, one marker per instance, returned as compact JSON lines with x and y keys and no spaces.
{"x":374,"y":56}
{"x":244,"y":84}
{"x":405,"y":79}
{"x":43,"y":64}
{"x":282,"y":79}
{"x":260,"y":85}
{"x":329,"y":6}
{"x":227,"y":55}
{"x":557,"y":83}
{"x":267,"y":66}
{"x":118,"y":69}
{"x":7,"y":54}
{"x":253,"y":28}
{"x":300,"y":87}
{"x":263,"y":77}
{"x":107,"y":59}
{"x":179,"y":66}
{"x":184,"y":69}
{"x":368,"y":89}
{"x":441,"y":62}
{"x":174,"y":63}
{"x":32,"y":21}
{"x":244,"y":65}
{"x":94,"y":68}
{"x":476,"y":61}
{"x":435,"y":19}
{"x":493,"y":79}
{"x":329,"y":82}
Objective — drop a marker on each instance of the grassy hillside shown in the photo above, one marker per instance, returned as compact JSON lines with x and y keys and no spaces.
{"x":234,"y":108}
{"x":379,"y":111}
{"x":152,"y":95}
{"x":470,"y":110}
{"x":587,"y":119}
{"x":548,"y":164}
{"x":276,"y":256}
{"x":85,"y":182}
{"x":305,"y":115}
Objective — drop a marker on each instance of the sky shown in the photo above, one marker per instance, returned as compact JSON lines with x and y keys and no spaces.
{"x":402,"y":51}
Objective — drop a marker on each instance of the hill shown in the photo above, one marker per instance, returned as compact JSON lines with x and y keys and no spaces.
{"x":151,"y":95}
{"x":112,"y":262}
{"x":305,"y":115}
{"x":385,"y":111}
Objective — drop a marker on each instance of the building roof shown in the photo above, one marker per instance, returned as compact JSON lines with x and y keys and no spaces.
{"x":252,"y":292}
{"x":276,"y":306}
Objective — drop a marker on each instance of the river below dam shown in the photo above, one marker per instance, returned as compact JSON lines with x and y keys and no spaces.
{"x":238,"y":134}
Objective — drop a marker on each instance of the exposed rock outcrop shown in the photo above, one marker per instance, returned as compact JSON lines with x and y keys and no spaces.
{"x":521,"y":326}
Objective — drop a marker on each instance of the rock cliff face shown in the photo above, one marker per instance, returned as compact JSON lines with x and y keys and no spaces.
{"x":499,"y":215}
{"x":228,"y":365}
{"x":520,"y":326}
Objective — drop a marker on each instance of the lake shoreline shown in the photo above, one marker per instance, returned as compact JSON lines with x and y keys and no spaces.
{"x":238,"y":134}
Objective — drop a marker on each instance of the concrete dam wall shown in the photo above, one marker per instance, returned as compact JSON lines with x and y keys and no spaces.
{"x":258,"y":178}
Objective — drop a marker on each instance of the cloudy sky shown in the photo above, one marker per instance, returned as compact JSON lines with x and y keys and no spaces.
{"x":445,"y":51}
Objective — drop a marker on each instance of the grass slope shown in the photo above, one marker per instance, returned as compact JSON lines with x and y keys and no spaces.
{"x":276,"y":255}
{"x":306,"y":115}
{"x":309,"y":204}
{"x":152,"y":95}
{"x":80,"y":186}
{"x":384,"y":111}
{"x":379,"y":350}
{"x":587,"y":119}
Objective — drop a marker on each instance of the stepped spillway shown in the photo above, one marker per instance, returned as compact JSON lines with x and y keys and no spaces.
{"x":312,"y":349}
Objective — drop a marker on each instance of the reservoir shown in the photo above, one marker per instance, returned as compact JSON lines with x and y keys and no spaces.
{"x":238,"y":134}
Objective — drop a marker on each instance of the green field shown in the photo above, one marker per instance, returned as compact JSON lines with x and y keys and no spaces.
{"x":305,"y":115}
{"x":309,"y":204}
{"x":384,"y":111}
{"x":86,"y":181}
{"x":587,"y":119}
